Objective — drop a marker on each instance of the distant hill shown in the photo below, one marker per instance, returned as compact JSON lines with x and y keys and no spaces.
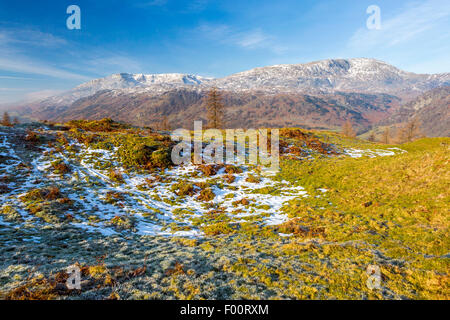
{"x":432,"y":109}
{"x":256,"y":109}
{"x":320,"y":94}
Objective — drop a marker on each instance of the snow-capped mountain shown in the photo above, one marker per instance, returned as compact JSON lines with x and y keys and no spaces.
{"x":321,"y":77}
{"x":126,"y":82}
{"x":330,"y":76}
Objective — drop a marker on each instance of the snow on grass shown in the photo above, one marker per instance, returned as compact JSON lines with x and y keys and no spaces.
{"x":358,"y":153}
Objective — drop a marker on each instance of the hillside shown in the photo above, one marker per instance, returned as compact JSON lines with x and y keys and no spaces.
{"x":320,"y":94}
{"x":105,"y":197}
{"x":432,"y":110}
{"x":244,"y":110}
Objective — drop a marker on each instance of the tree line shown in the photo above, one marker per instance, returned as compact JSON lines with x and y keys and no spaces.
{"x":6,"y":120}
{"x":409,"y":132}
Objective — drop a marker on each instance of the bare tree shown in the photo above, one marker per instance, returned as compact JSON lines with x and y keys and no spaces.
{"x":347,"y":129}
{"x":386,"y":136}
{"x":165,"y":124}
{"x":6,"y":121}
{"x":410,"y":132}
{"x":215,"y":109}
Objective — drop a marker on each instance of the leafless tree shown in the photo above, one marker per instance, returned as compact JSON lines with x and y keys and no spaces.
{"x":347,"y":129}
{"x":215,"y":109}
{"x":410,"y":132}
{"x":6,"y":121}
{"x":165,"y":124}
{"x":386,"y":136}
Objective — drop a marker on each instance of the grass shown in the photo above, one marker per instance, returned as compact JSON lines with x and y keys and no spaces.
{"x":389,"y":211}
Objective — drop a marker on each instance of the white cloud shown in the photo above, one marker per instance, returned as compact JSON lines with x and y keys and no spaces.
{"x":15,"y":78}
{"x":252,"y":39}
{"x":30,"y":37}
{"x":15,"y":53}
{"x":246,"y":39}
{"x":153,"y":3}
{"x":415,"y":20}
{"x":28,"y":66}
{"x":12,"y":89}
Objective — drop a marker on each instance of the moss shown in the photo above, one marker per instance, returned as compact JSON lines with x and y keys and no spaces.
{"x":253,"y":179}
{"x":123,"y":223}
{"x":138,"y":152}
{"x":104,"y":125}
{"x":218,"y":229}
{"x":183,"y":188}
{"x":210,"y":170}
{"x":116,"y":176}
{"x":60,"y":167}
{"x":114,"y":197}
{"x":49,"y":193}
{"x":161,"y":158}
{"x":206,"y":195}
{"x":243,"y":201}
{"x":10,"y":214}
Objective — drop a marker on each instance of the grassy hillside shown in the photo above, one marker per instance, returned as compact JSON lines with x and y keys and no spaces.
{"x":105,"y":196}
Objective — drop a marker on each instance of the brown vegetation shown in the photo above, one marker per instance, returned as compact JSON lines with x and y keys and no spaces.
{"x":6,"y":120}
{"x":410,"y":132}
{"x":215,"y":109}
{"x":347,"y":129}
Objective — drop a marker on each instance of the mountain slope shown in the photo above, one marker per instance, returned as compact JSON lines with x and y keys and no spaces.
{"x":330,"y":76}
{"x":319,"y":94}
{"x":432,"y":109}
{"x":326,"y":76}
{"x":244,"y":109}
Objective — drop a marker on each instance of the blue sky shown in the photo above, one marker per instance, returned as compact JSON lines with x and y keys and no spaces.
{"x":39,"y":56}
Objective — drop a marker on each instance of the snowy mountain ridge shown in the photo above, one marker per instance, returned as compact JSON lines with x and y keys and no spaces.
{"x":320,"y":77}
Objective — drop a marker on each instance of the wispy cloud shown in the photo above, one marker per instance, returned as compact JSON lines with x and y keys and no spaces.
{"x":12,"y":89}
{"x":252,"y":39}
{"x":27,"y":66}
{"x":16,"y":55}
{"x":30,"y":37}
{"x":153,"y":3}
{"x":415,"y":20}
{"x":16,"y":45}
{"x":16,"y":78}
{"x":246,"y":39}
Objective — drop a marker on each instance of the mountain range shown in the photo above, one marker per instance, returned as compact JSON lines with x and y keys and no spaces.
{"x":321,"y":94}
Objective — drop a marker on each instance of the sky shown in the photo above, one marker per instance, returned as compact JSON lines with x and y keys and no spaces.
{"x":40,"y":56}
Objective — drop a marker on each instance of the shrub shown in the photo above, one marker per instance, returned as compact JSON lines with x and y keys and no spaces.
{"x":50,"y":193}
{"x":218,"y":228}
{"x":32,"y":137}
{"x":161,"y":158}
{"x":122,"y":222}
{"x":113,"y":197}
{"x":229,"y":178}
{"x":210,"y":170}
{"x":183,"y":188}
{"x":104,"y":125}
{"x":116,"y":176}
{"x":253,"y":179}
{"x":10,"y":214}
{"x":60,"y":167}
{"x":232,"y":169}
{"x":206,"y":195}
{"x":243,"y":201}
